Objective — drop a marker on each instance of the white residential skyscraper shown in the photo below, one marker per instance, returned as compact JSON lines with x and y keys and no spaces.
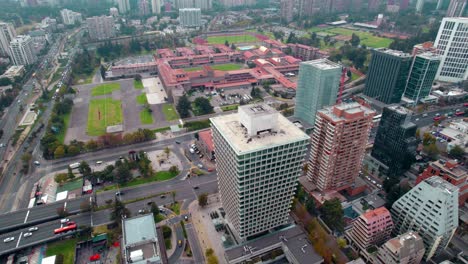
{"x":190,"y":17}
{"x":452,"y":43}
{"x":431,"y":210}
{"x":259,"y":156}
{"x":7,"y":34}
{"x":22,"y":50}
{"x":70,"y":17}
{"x":456,"y":8}
{"x":124,"y":6}
{"x":101,"y":27}
{"x":156,"y":6}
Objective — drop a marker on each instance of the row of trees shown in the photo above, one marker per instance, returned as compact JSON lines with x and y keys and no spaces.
{"x":201,"y":105}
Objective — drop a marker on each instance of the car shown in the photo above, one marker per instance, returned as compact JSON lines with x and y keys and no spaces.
{"x":374,"y":182}
{"x":368,"y":178}
{"x":196,"y":187}
{"x":417,"y":119}
{"x":186,"y":218}
{"x":2,"y":145}
{"x":193,"y":146}
{"x":424,"y":115}
{"x":379,"y":185}
{"x":119,"y":193}
{"x":28,"y":234}
{"x":200,"y":156}
{"x":191,"y":150}
{"x":200,"y":165}
{"x":141,"y":211}
{"x":32,"y":229}
{"x":64,"y":220}
{"x":8,"y":239}
{"x":179,"y":243}
{"x":162,"y":196}
{"x":177,"y":142}
{"x":99,"y":162}
{"x":198,"y":152}
{"x":37,"y":163}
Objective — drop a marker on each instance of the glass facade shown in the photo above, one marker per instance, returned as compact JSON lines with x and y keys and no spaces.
{"x":422,"y":76}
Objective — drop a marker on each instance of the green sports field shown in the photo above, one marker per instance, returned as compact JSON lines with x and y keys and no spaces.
{"x":366,"y":37}
{"x":231,"y":39}
{"x":226,"y":67}
{"x":103,"y":89}
{"x":103,"y":113}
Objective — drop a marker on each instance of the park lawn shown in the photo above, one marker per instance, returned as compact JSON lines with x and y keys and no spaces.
{"x":71,"y":186}
{"x":169,"y":112}
{"x":104,"y":89}
{"x":227,"y":67}
{"x":231,"y":39}
{"x":138,"y":84}
{"x":175,"y":207}
{"x":354,"y":76}
{"x":103,"y":113}
{"x":229,"y":107}
{"x":146,"y":117}
{"x":366,"y":38}
{"x":158,"y":176}
{"x":141,"y":99}
{"x":193,"y":69}
{"x":63,"y":132}
{"x":64,"y":247}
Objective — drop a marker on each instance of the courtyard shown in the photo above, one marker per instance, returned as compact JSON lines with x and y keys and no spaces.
{"x":119,"y":103}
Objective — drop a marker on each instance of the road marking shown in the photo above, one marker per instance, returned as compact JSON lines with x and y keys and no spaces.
{"x":19,"y":239}
{"x":65,"y":206}
{"x":26,"y":218}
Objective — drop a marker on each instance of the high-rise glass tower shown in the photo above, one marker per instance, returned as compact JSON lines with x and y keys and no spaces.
{"x":395,"y":142}
{"x":452,"y":43}
{"x":317,"y":87}
{"x":7,"y":34}
{"x":259,"y":156}
{"x":431,"y":209}
{"x":387,"y":75}
{"x":421,"y":77}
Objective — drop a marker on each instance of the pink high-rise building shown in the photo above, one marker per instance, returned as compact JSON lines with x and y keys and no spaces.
{"x":372,"y":228}
{"x":338,"y":145}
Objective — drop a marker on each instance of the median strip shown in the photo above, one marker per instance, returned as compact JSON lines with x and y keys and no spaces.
{"x":26,"y":218}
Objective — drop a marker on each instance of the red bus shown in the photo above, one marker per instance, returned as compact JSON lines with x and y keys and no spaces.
{"x":71,"y":226}
{"x":437,"y":118}
{"x":459,"y":113}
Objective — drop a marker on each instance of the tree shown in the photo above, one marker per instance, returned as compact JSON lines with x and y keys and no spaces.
{"x":310,"y":206}
{"x":167,"y":231}
{"x":457,"y":152}
{"x":167,"y":151}
{"x":138,"y":78}
{"x":85,"y":206}
{"x":5,"y":81}
{"x":211,"y":257}
{"x":59,"y":152}
{"x":184,"y":106}
{"x":226,"y":43}
{"x":428,"y":139}
{"x":26,"y":157}
{"x":431,"y":150}
{"x":84,"y":169}
{"x":174,"y":170}
{"x":256,"y":93}
{"x":203,"y":105}
{"x":355,"y":40}
{"x":154,"y":209}
{"x":332,"y":214}
{"x":123,"y":173}
{"x":70,"y":174}
{"x":233,"y":47}
{"x":60,"y":178}
{"x":203,"y":199}
{"x":119,"y":211}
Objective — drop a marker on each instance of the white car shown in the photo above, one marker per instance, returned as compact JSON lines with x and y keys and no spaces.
{"x":191,"y":150}
{"x":64,"y":220}
{"x":37,"y":163}
{"x":27,"y":234}
{"x":374,"y":182}
{"x":8,"y":239}
{"x":200,"y":165}
{"x":99,"y":162}
{"x":32,"y":229}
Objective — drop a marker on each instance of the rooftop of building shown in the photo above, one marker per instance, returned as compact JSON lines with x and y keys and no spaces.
{"x":441,"y":184}
{"x":451,"y":167}
{"x":278,"y":130}
{"x":396,"y":53}
{"x":376,"y":213}
{"x":323,"y":64}
{"x":189,"y":9}
{"x":207,"y":137}
{"x":346,"y":111}
{"x":429,"y":56}
{"x":14,"y":70}
{"x":396,"y":244}
{"x":400,"y":109}
{"x":291,"y":237}
{"x":374,"y":201}
{"x":140,"y":239}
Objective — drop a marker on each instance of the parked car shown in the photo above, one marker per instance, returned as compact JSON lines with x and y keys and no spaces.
{"x":32,"y":229}
{"x":179,"y":243}
{"x":99,"y":162}
{"x":200,"y":165}
{"x":64,"y":220}
{"x":8,"y":239}
{"x":37,"y":163}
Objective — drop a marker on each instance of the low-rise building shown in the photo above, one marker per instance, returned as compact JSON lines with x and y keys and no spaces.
{"x":13,"y":72}
{"x":140,"y":240}
{"x":407,"y":248}
{"x":205,"y":144}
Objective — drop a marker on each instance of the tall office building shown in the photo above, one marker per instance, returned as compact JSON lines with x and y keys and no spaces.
{"x":456,"y":8}
{"x":371,"y":229}
{"x":7,"y":34}
{"x":70,"y":17}
{"x":143,"y":7}
{"x":452,"y":43}
{"x":113,"y":11}
{"x":387,"y":75}
{"x":202,"y":4}
{"x":259,"y":157}
{"x":407,"y":248}
{"x":421,"y":77}
{"x":431,"y":209}
{"x":22,"y":50}
{"x":395,"y":142}
{"x":101,"y":27}
{"x":287,"y":8}
{"x":156,"y":6}
{"x":190,"y":17}
{"x":338,"y":143}
{"x":317,"y":87}
{"x":124,"y":6}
